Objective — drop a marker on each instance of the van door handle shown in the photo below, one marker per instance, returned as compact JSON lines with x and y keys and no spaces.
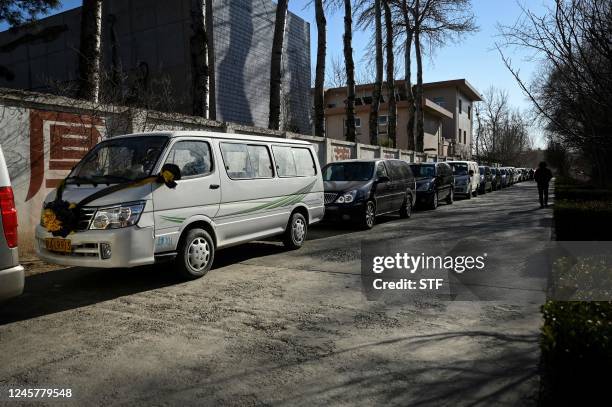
{"x":214,"y":186}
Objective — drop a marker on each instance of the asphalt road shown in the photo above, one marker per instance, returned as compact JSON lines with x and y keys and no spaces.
{"x":270,"y":327}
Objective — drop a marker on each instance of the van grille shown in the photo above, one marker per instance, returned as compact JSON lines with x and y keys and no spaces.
{"x":330,"y":197}
{"x":85,"y":216}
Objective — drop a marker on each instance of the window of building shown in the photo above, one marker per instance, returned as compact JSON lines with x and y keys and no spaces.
{"x":367,"y":100}
{"x":460,"y":106}
{"x":244,"y":161}
{"x":192,"y":157}
{"x":469,"y":112}
{"x":464,"y":137}
{"x":382,"y":120}
{"x":459,"y":136}
{"x":357,"y":122}
{"x":439,"y":101}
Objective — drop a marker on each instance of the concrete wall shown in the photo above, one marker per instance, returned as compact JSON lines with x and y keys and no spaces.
{"x":153,"y":41}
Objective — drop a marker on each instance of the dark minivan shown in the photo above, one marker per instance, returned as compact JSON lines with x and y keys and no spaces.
{"x":360,"y":190}
{"x":435,"y":182}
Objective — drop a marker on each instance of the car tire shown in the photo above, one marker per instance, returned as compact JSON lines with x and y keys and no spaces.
{"x":450,"y":197}
{"x":434,"y":200}
{"x":195,"y":254}
{"x":406,"y":208}
{"x":369,"y":215}
{"x":295,"y":233}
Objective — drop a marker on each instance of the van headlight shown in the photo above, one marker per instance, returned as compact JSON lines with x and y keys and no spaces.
{"x":118,"y":216}
{"x":347,"y":197}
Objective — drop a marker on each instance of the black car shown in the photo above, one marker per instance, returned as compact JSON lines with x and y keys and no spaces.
{"x":485,"y":179}
{"x":435,"y":182}
{"x":495,"y":179}
{"x":360,"y":190}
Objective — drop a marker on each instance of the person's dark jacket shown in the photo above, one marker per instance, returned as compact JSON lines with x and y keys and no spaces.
{"x":542,"y":176}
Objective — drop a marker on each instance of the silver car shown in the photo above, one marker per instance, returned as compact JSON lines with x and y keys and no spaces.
{"x":11,"y":273}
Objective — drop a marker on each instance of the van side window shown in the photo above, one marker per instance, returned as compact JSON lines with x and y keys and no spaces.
{"x":294,"y":161}
{"x":244,"y":161}
{"x":304,"y":163}
{"x":192,"y":157}
{"x":285,"y":164}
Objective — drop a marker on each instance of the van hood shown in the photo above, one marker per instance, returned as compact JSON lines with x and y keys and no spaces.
{"x":342,"y":186}
{"x":75,"y":194}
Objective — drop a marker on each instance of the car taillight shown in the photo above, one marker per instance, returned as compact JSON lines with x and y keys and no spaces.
{"x":9,"y":215}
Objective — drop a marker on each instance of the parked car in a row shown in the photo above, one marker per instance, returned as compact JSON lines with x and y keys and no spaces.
{"x":361,"y":190}
{"x":466,"y":181}
{"x":11,"y":272}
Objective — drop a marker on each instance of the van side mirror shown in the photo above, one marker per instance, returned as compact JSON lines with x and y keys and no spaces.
{"x":169,"y":174}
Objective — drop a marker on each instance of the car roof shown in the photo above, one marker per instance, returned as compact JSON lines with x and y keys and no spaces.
{"x":218,"y":135}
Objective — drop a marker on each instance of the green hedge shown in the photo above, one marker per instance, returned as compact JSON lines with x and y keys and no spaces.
{"x":583,"y":220}
{"x":582,"y":193}
{"x":576,"y":347}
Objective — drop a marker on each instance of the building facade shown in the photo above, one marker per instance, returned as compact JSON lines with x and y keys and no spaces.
{"x":148,"y":41}
{"x":447,"y":108}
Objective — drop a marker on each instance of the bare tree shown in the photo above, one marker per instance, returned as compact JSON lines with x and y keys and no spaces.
{"x":502,"y":132}
{"x":435,"y":23}
{"x":350,"y":71}
{"x":408,"y":30}
{"x":389,"y":42}
{"x":276,"y":64}
{"x":199,"y":58}
{"x":336,"y":75}
{"x":90,"y":50}
{"x":319,"y":96}
{"x":23,"y":12}
{"x":572,"y":93}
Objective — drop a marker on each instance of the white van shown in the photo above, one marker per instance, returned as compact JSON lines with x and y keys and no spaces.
{"x":467,"y":178}
{"x":232,"y":189}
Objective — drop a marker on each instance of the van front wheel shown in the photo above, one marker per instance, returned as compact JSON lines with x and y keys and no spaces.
{"x":195,"y":255}
{"x":295,"y":234}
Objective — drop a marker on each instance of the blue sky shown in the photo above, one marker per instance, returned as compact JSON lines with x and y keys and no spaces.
{"x":474,"y":58}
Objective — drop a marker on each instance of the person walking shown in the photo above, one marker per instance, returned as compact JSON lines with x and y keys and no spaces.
{"x":542,"y":177}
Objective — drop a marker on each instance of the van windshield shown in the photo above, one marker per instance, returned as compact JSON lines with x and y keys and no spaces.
{"x":119,"y":160}
{"x":351,"y":171}
{"x":459,"y":168}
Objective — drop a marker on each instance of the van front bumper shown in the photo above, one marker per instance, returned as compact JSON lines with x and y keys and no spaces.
{"x":130,"y":247}
{"x":11,"y":282}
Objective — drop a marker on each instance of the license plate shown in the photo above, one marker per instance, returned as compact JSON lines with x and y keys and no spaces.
{"x":56,"y":244}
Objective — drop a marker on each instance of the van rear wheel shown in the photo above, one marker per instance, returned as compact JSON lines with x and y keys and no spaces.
{"x":196,"y":254}
{"x":295,"y":234}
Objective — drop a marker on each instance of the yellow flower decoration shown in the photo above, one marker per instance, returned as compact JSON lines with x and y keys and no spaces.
{"x":168,"y":176}
{"x":50,"y":221}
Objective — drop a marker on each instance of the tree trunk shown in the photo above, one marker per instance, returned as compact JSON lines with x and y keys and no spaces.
{"x":392,"y":119}
{"x":375,"y":106}
{"x":319,"y":95}
{"x":210,"y":43}
{"x":350,"y":71}
{"x":89,"y":50}
{"x":420,"y":131}
{"x":276,"y":64}
{"x":199,"y":59}
{"x":408,"y":76}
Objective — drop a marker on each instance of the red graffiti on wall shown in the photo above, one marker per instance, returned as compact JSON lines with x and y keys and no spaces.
{"x":57,"y":142}
{"x":341,"y":153}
